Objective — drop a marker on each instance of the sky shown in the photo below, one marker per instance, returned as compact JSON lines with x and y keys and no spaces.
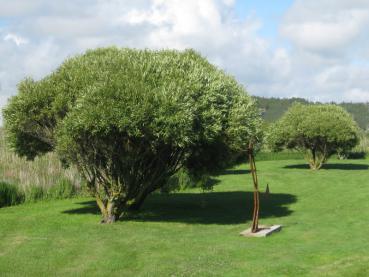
{"x":318,"y":50}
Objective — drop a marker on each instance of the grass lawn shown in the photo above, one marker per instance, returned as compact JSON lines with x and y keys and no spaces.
{"x":325,"y":215}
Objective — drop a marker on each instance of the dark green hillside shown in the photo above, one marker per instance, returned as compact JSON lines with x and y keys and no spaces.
{"x":360,"y":112}
{"x":273,"y":108}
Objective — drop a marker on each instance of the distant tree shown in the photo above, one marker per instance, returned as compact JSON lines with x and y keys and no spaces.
{"x":131,"y":119}
{"x":274,"y":108}
{"x":319,"y":130}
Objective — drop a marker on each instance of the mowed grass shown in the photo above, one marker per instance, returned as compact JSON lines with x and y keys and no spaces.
{"x":325,"y":218}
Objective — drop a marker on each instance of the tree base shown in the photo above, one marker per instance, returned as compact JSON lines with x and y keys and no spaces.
{"x":263,"y":231}
{"x":108,"y":220}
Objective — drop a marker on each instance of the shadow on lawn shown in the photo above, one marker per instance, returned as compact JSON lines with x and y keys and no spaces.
{"x":235,"y":172}
{"x":232,"y":207}
{"x":338,"y":166}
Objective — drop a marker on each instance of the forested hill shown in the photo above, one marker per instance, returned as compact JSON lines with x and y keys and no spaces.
{"x":273,"y":109}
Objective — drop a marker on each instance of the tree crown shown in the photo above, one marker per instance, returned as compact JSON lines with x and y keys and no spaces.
{"x":122,"y":96}
{"x":314,"y":126}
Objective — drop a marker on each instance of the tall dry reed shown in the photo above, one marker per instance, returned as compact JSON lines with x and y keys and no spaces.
{"x":45,"y":171}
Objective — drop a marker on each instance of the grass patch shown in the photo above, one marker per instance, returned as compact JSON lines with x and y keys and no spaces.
{"x":324,"y":216}
{"x":63,"y":189}
{"x":10,"y":195}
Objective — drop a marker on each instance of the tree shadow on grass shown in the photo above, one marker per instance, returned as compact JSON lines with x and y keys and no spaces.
{"x":235,"y":172}
{"x":232,"y":207}
{"x":86,"y":207}
{"x":347,"y":166}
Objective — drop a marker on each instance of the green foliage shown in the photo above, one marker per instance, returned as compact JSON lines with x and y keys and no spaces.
{"x":35,"y":193}
{"x":363,"y":145}
{"x":179,"y":181}
{"x":320,"y":130}
{"x":10,"y":195}
{"x":131,"y":119}
{"x":278,"y":156}
{"x":274,"y":108}
{"x":183,"y":180}
{"x":63,"y":189}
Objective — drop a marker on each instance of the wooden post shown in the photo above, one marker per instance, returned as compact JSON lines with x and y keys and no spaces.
{"x":255,"y":216}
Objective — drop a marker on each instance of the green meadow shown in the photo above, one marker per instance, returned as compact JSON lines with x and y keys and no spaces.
{"x":193,"y":233}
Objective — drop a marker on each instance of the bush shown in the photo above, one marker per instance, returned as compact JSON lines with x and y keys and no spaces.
{"x":356,"y":155}
{"x":183,"y":180}
{"x":131,"y":119}
{"x":276,"y":156}
{"x":10,"y":195}
{"x":318,"y":130}
{"x":63,"y":189}
{"x":34,"y":193}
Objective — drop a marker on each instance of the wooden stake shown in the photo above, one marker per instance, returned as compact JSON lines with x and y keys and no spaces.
{"x":255,"y":216}
{"x":267,"y":191}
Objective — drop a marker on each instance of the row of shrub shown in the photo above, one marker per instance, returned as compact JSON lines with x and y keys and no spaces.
{"x":11,"y":194}
{"x":277,"y":156}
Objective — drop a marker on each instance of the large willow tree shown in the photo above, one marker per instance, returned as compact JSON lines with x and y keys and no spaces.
{"x":130,"y":119}
{"x":317,"y":130}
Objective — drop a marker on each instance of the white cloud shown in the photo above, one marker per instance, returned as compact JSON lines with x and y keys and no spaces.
{"x":18,"y":40}
{"x":19,"y":7}
{"x":45,"y":56}
{"x":209,"y":26}
{"x":316,"y":57}
{"x":327,"y":39}
{"x":327,"y":32}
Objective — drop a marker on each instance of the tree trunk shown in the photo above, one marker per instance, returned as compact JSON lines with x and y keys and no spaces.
{"x":108,"y":210}
{"x":142,"y":195}
{"x":317,"y":159}
{"x":111,"y":215}
{"x":135,"y":206}
{"x":255,"y":216}
{"x":138,"y":201}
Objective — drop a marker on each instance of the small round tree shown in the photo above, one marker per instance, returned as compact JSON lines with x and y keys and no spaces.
{"x":130,"y":119}
{"x":318,"y":130}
